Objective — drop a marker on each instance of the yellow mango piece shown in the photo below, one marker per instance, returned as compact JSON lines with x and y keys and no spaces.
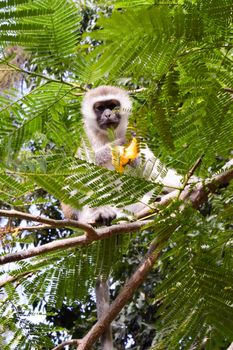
{"x":131,"y":152}
{"x":122,"y":155}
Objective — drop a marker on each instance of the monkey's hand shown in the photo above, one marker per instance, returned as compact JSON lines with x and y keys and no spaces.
{"x":92,"y":216}
{"x":102,"y":216}
{"x":121,"y":155}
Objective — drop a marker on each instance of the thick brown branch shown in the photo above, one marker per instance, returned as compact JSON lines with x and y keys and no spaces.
{"x":125,"y":295}
{"x":197,"y":195}
{"x":221,"y":179}
{"x":73,"y":242}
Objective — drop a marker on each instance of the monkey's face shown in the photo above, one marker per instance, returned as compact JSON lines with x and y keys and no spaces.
{"x":107,"y":114}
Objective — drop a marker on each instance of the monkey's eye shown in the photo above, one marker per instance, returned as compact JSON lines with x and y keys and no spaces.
{"x":100,"y":108}
{"x":115,"y":107}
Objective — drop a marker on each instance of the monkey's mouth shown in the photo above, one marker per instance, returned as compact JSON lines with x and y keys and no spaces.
{"x":109,"y":124}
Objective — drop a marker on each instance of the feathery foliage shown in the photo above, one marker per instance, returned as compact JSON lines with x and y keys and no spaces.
{"x":181,"y":53}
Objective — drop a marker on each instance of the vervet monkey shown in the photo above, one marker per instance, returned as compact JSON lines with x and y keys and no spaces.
{"x":103,"y":108}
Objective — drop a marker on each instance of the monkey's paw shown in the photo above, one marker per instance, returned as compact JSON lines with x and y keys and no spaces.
{"x":102,"y":216}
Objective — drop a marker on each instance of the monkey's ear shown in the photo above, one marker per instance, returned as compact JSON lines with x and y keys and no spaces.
{"x":122,"y":155}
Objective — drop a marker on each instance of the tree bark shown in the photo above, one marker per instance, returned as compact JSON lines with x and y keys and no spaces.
{"x":125,"y":295}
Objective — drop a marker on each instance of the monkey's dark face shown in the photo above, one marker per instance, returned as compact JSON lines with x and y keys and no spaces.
{"x":107,"y":114}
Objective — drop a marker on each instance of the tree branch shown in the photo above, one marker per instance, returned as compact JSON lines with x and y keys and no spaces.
{"x":67,"y":342}
{"x":139,"y":276}
{"x":34,"y":74}
{"x":135,"y":91}
{"x":16,"y":229}
{"x":72,"y":242}
{"x":197,"y":194}
{"x":125,"y":295}
{"x":228,"y":90}
{"x":14,"y":278}
{"x":53,"y":223}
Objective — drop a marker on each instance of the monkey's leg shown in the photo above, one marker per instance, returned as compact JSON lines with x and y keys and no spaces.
{"x":102,"y":305}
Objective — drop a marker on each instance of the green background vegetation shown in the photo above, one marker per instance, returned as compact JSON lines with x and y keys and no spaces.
{"x":181,"y":54}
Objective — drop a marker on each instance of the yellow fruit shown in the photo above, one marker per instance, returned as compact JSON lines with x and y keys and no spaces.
{"x":122,"y":155}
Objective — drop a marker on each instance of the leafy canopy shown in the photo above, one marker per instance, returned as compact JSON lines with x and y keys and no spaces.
{"x":180,"y":52}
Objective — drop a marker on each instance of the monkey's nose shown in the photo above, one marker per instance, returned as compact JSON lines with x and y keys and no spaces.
{"x":108,"y":113}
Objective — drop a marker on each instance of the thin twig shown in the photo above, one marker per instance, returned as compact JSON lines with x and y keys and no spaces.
{"x":16,"y":229}
{"x":67,"y":342}
{"x":18,"y":69}
{"x":10,"y":279}
{"x":54,"y":223}
{"x":135,"y":91}
{"x":228,"y":90}
{"x":192,"y":170}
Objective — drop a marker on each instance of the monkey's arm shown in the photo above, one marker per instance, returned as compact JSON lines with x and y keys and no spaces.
{"x":92,"y":216}
{"x":69,"y":212}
